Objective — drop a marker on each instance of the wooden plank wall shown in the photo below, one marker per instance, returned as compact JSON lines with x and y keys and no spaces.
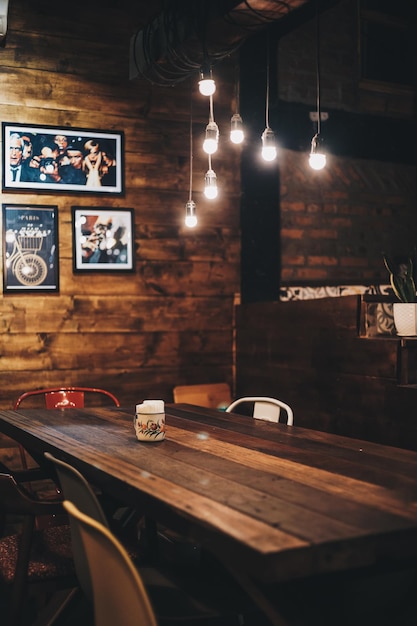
{"x":170,"y":322}
{"x":309,"y":354}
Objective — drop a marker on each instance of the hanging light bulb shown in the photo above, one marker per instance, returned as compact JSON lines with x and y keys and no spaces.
{"x":236,"y":124}
{"x":190,"y":214}
{"x":317,"y":159}
{"x":236,"y":129}
{"x":210,"y":184}
{"x":206,"y":84}
{"x":190,"y":207}
{"x":269,"y":148}
{"x":211,"y":140}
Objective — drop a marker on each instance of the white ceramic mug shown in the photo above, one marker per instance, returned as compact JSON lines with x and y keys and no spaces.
{"x":149,"y":420}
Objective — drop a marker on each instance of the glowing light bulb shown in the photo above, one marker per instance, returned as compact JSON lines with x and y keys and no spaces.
{"x":211,"y":140}
{"x":236,"y":129}
{"x":207,"y":87}
{"x":190,"y":214}
{"x":206,"y":84}
{"x":210,"y":185}
{"x":317,"y":161}
{"x":317,"y":158}
{"x":269,"y":149}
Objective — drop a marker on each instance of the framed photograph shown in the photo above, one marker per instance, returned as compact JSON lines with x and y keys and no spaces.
{"x":30,"y":248}
{"x":103,"y":239}
{"x":45,"y":158}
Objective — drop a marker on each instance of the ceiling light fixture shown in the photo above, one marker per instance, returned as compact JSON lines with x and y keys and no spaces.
{"x":211,"y":140}
{"x":236,"y":129}
{"x":206,"y":84}
{"x":269,"y":149}
{"x":317,"y":158}
{"x":210,"y":183}
{"x":237,"y":134}
{"x":190,"y":214}
{"x":190,"y":207}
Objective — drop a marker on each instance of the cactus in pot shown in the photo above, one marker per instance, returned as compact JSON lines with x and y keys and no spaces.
{"x":402,"y":279}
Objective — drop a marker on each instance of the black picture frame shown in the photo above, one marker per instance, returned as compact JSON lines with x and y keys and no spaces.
{"x":30,"y":248}
{"x":62,"y":160}
{"x":103,"y":239}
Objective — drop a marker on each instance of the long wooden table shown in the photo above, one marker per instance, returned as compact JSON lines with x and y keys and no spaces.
{"x":275,"y":503}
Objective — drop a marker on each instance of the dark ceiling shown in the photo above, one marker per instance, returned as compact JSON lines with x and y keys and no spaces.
{"x":180,"y":35}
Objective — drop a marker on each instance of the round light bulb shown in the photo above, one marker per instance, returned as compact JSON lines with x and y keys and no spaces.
{"x":210,"y":145}
{"x":317,"y":161}
{"x":211,"y":193}
{"x":207,"y":86}
{"x":269,"y":153}
{"x":191,"y":221}
{"x":236,"y":136}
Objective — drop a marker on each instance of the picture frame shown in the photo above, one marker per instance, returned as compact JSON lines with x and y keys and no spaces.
{"x":30,"y":248}
{"x":62,"y":160}
{"x":103,"y":239}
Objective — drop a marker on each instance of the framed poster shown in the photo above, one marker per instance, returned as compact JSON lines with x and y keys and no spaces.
{"x":30,"y":248}
{"x":103,"y":239}
{"x":45,"y":158}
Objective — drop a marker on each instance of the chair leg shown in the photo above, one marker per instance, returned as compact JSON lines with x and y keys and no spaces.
{"x":17,"y":599}
{"x":56,"y":607}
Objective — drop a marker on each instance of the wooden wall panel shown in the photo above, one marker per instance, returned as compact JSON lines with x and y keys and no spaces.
{"x":169,"y":322}
{"x":313,"y":359}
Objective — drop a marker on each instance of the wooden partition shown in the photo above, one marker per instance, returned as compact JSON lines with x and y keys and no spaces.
{"x":311,"y":355}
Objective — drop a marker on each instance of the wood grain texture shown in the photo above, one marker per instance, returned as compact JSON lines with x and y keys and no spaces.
{"x":314,"y":359}
{"x":166,"y":323}
{"x":285,"y":502}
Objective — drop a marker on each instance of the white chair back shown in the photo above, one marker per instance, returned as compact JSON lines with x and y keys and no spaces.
{"x":265,"y":408}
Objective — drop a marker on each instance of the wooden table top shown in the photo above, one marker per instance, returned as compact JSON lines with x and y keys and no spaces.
{"x":283,"y":502}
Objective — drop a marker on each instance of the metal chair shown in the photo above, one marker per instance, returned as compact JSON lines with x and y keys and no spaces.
{"x":34,"y":561}
{"x":265,"y":408}
{"x":64,"y":398}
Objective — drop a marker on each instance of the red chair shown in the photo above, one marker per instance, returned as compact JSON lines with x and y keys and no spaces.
{"x":65,"y":398}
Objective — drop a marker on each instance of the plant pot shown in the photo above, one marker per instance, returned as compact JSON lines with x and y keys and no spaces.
{"x":405,"y":318}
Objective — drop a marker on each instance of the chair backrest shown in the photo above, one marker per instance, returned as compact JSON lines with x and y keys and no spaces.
{"x":76,"y":489}
{"x":211,"y":395}
{"x":67,"y":397}
{"x":119,"y":593}
{"x":265,"y":408}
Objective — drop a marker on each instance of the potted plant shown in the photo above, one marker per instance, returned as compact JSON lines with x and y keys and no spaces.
{"x":402,"y":281}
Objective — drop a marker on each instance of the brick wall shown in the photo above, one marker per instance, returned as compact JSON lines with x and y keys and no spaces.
{"x":336,"y":224}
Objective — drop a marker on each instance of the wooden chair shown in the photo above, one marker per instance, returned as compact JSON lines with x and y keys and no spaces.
{"x":212,"y":395}
{"x":34,"y":562}
{"x":119,"y":593}
{"x":173,"y":601}
{"x":265,"y":408}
